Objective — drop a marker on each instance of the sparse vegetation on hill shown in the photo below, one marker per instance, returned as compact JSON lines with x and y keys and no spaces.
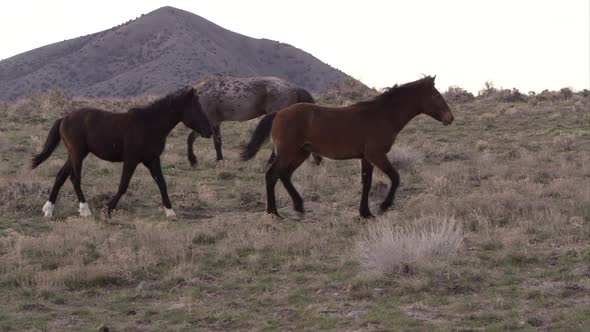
{"x":155,"y":54}
{"x":347,"y":92}
{"x":458,"y":95}
{"x":489,"y":230}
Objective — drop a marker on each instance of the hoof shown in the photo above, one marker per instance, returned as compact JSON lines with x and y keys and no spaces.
{"x":84,"y":210}
{"x":299,"y":208}
{"x":193,"y":161}
{"x":299,"y":215}
{"x":367,"y":215}
{"x":275,"y":215}
{"x":107,"y":212}
{"x":170,"y":213}
{"x":383,"y":207}
{"x":48,"y":209}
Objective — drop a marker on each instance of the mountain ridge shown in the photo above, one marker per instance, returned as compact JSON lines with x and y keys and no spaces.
{"x":154,"y":54}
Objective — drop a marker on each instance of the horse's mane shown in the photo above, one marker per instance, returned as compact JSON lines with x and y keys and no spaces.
{"x":163,"y":104}
{"x":396,"y":92}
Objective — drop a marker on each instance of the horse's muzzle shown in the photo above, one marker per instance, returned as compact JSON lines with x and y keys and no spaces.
{"x":448,"y":119}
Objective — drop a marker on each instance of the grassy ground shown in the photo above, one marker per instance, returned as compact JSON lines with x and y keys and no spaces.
{"x":515,"y":177}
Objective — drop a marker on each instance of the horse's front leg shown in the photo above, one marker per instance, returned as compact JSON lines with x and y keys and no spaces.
{"x":366,"y":180}
{"x":217,"y":141}
{"x":380,"y":161}
{"x":189,"y":147}
{"x":128,"y":170}
{"x":156,"y":172}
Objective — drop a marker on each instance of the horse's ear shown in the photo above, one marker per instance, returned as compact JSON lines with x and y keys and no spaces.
{"x":190,"y":91}
{"x":430,"y":79}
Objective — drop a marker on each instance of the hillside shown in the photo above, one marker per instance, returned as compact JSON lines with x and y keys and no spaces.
{"x":154,"y":54}
{"x":507,"y":183}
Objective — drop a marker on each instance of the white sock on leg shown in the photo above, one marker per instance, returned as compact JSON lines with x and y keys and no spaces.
{"x":84,"y":210}
{"x":170,"y":213}
{"x":48,"y":209}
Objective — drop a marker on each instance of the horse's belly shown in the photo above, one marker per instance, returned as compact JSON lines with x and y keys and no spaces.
{"x":336,"y":152}
{"x":110,"y":156}
{"x":111,"y":152}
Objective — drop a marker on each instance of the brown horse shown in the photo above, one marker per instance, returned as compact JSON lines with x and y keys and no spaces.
{"x":138,"y":136}
{"x":365,"y":131}
{"x":227,"y":98}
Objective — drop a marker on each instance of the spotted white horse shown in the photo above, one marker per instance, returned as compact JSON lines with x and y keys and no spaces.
{"x":227,"y":98}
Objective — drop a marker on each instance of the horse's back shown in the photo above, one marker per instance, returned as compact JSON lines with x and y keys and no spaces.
{"x":230,"y":98}
{"x":335,"y":133}
{"x":99,"y":132}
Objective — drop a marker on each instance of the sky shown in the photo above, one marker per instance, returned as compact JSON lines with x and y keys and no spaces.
{"x":527,"y":44}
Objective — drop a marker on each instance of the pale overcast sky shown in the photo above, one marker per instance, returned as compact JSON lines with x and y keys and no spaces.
{"x":528,"y":44}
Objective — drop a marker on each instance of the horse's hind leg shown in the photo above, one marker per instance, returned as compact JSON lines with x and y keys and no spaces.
{"x":60,"y":179}
{"x":366,"y":179}
{"x":128,"y":170}
{"x":217,"y":141}
{"x":76,"y":178}
{"x":271,"y":181}
{"x":285,"y":176}
{"x":156,"y":172}
{"x":380,"y":161}
{"x":271,"y":159}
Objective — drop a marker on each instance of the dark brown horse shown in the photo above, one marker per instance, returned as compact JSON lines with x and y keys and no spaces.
{"x":365,"y":131}
{"x":138,"y":136}
{"x":227,"y":98}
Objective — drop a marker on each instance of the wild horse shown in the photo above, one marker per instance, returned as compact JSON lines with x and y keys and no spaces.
{"x":226,"y":98}
{"x":364,"y":131}
{"x":137,"y":136}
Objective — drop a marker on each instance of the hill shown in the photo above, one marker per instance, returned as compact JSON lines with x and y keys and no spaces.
{"x":507,"y":183}
{"x":154,"y":54}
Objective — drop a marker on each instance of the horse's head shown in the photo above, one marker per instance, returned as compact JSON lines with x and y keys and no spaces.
{"x":433,"y":104}
{"x":192,"y":113}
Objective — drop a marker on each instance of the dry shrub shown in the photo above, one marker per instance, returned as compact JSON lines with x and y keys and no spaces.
{"x":319,"y":182}
{"x":485,"y":165}
{"x":458,"y":95}
{"x":423,"y":244}
{"x":439,"y":185}
{"x":502,"y":201}
{"x":564,"y":142}
{"x":266,"y":237}
{"x":21,"y":196}
{"x":78,"y":253}
{"x":481,"y":145}
{"x":47,"y":106}
{"x":510,"y":96}
{"x":349,"y":91}
{"x":424,"y":204}
{"x":405,"y":156}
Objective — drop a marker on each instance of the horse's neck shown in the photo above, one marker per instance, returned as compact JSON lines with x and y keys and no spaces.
{"x":399,"y":115}
{"x":162,"y":123}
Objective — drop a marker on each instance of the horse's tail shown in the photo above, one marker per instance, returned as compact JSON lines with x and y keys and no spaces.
{"x":303,"y":96}
{"x":51,"y":143}
{"x":260,"y":135}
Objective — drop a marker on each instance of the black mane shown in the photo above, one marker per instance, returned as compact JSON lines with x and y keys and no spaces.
{"x":168,"y":102}
{"x":392,"y":94}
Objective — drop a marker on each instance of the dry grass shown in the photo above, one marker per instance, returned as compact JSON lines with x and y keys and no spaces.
{"x":489,"y":229}
{"x":423,"y":244}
